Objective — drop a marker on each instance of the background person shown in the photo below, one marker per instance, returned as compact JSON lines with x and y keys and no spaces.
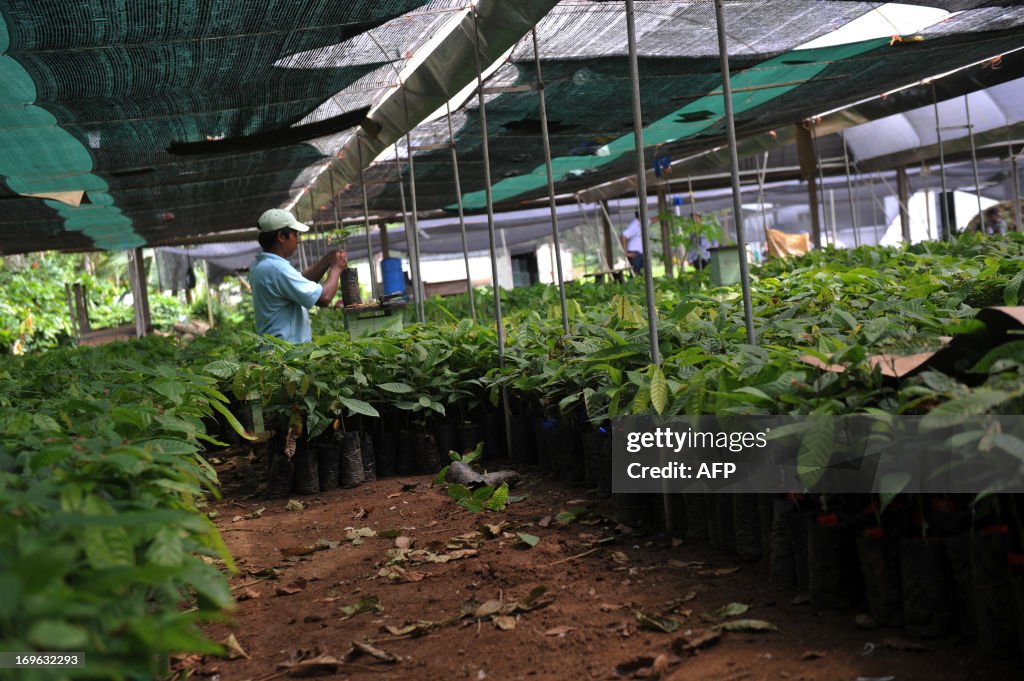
{"x":633,"y":243}
{"x":281,"y":294}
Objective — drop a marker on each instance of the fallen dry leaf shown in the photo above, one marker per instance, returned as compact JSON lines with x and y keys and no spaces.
{"x":894,"y":643}
{"x":813,"y":655}
{"x":719,"y":572}
{"x":504,"y":622}
{"x":294,"y":505}
{"x":695,"y":639}
{"x":686,"y":563}
{"x":295,"y":587}
{"x":559,"y":631}
{"x":290,"y":551}
{"x":404,"y":542}
{"x":233,"y":651}
{"x":310,"y":663}
{"x":359,"y":648}
{"x":360,"y":514}
{"x":247,"y":595}
{"x":545,"y":521}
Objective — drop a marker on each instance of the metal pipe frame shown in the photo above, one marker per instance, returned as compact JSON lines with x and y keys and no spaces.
{"x":974,"y":165}
{"x":551,"y":183}
{"x":489,"y":196}
{"x":942,"y":169}
{"x":420,"y":310}
{"x":849,"y":191}
{"x":641,"y":181}
{"x":462,"y":215}
{"x":366,"y":222}
{"x":734,"y":163}
{"x":413,"y":262}
{"x":489,"y":193}
{"x":1016,"y":190}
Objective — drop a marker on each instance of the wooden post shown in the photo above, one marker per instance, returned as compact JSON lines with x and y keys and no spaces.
{"x":69,"y":297}
{"x":140,"y":295}
{"x":608,"y":249}
{"x":903,"y":192}
{"x":385,"y":247}
{"x":666,"y":237}
{"x":809,"y":173}
{"x":81,"y":309}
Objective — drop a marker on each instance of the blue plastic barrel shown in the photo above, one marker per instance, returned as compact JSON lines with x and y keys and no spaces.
{"x":392,"y":275}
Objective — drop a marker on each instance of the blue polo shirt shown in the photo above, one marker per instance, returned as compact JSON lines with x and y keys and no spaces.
{"x":282,"y":297}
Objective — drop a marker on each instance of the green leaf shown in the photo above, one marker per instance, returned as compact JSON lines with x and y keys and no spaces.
{"x":642,"y":400}
{"x":107,"y":547}
{"x":1011,"y":294}
{"x":955,"y":412}
{"x":232,"y":421}
{"x":499,"y":499}
{"x":359,"y":407}
{"x":659,"y":390}
{"x":50,"y":634}
{"x":530,"y":540}
{"x":399,"y":388}
{"x":655,"y":623}
{"x":748,"y":625}
{"x":890,"y":486}
{"x":166,"y":548}
{"x":730,"y":610}
{"x":222,"y":368}
{"x":816,"y":450}
{"x":458,"y":492}
{"x":424,"y":401}
{"x":46,"y":423}
{"x":1013,"y":350}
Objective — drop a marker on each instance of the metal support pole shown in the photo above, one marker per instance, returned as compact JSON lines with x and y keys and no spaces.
{"x":849,"y":191}
{"x":903,"y":194}
{"x":760,"y":196}
{"x":874,"y":210}
{"x":312,"y":221}
{"x":462,"y":215}
{"x":489,"y":196}
{"x":418,"y":281}
{"x":734,"y":163}
{"x":641,"y":181}
{"x":1016,"y":190}
{"x":551,"y":183}
{"x":808,"y":172}
{"x":974,"y":165}
{"x":366,"y":221}
{"x":821,"y":185}
{"x":927,"y":202}
{"x":405,"y":225}
{"x":832,"y":213}
{"x":946,"y":226}
{"x":606,"y":221}
{"x":666,"y":236}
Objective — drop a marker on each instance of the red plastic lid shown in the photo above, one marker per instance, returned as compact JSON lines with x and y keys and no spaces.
{"x":875,"y":532}
{"x":996,"y":529}
{"x":828,"y":519}
{"x":1015,"y":559}
{"x":943,"y":505}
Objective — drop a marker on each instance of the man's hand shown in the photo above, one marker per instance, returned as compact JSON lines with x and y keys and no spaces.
{"x":338,"y":259}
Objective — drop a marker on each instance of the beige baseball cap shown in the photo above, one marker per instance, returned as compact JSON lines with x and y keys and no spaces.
{"x":278,"y":218}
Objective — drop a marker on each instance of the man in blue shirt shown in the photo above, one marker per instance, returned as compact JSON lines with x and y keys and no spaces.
{"x":281,"y":294}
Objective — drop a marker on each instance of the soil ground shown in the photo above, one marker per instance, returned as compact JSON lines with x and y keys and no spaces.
{"x":597,"y":576}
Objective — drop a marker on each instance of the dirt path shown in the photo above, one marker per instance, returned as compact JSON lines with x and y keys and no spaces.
{"x":584,"y":625}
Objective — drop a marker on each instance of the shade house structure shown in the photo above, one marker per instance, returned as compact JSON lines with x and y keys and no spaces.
{"x":131,"y":127}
